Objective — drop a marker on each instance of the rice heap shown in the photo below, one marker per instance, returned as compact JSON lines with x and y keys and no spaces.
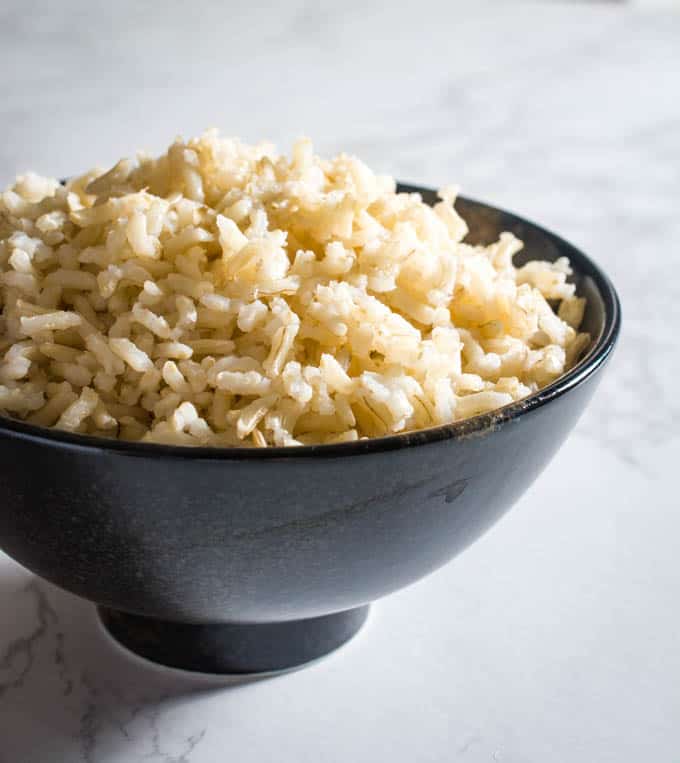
{"x":223,"y":294}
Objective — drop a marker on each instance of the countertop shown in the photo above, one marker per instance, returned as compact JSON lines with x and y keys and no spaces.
{"x":556,"y":636}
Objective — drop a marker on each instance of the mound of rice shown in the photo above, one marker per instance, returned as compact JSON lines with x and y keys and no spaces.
{"x":225,"y":295}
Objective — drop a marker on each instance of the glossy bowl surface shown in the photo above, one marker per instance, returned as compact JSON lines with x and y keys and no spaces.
{"x":195,"y":552}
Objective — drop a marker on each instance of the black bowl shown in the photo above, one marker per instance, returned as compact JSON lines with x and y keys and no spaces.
{"x":244,"y":560}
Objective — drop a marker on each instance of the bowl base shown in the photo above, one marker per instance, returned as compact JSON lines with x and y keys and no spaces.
{"x":233,"y":648}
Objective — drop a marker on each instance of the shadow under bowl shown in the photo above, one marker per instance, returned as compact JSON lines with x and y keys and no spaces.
{"x":247,"y":560}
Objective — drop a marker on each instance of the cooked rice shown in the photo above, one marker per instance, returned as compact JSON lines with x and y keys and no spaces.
{"x":225,"y":295}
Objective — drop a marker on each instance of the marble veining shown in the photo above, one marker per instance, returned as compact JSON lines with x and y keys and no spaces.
{"x":18,"y":656}
{"x":555,"y":637}
{"x":97,"y":711}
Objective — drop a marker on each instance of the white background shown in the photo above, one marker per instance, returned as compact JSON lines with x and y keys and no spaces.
{"x":556,"y":637}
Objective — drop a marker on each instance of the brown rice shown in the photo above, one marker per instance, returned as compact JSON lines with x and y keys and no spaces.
{"x":225,"y":295}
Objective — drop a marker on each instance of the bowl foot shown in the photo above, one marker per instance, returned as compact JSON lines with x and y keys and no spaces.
{"x":231,"y":648}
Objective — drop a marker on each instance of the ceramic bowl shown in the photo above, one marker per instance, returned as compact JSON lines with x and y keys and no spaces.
{"x":247,"y":560}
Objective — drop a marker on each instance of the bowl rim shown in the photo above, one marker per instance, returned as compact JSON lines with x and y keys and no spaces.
{"x":590,"y":363}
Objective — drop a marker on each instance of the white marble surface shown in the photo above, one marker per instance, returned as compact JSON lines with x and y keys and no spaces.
{"x":556,"y":637}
